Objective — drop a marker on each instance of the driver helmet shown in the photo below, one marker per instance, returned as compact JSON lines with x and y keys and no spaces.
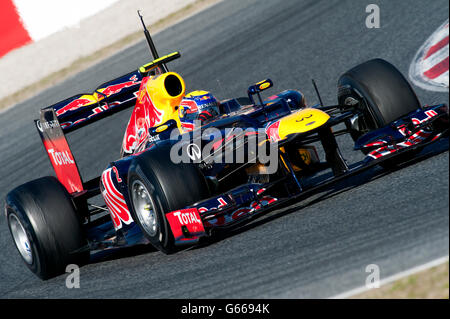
{"x":197,"y":106}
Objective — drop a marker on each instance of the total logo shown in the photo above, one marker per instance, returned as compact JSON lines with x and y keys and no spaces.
{"x":61,"y":158}
{"x":187,"y":218}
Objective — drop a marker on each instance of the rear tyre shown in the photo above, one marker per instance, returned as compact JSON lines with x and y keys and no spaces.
{"x":45,"y":227}
{"x":158,"y":186}
{"x":384,"y":96}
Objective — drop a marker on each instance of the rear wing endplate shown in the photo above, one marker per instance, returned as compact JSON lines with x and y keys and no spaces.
{"x":78,"y":111}
{"x":58,"y":151}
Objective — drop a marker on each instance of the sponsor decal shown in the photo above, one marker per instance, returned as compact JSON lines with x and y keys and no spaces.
{"x":222,"y":203}
{"x":61,"y":158}
{"x":95,"y":111}
{"x":75,"y":105}
{"x":162,"y":128}
{"x":240,"y":212}
{"x":264,"y":86}
{"x":145,"y":115}
{"x":58,"y":151}
{"x":116,"y":88}
{"x":100,"y":94}
{"x":49,"y":124}
{"x":429,"y":114}
{"x":188,"y":218}
{"x":412,"y":139}
{"x":191,"y":105}
{"x":63,"y":163}
{"x":304,"y":117}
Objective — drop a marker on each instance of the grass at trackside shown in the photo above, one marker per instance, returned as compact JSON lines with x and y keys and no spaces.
{"x":432,"y":283}
{"x":97,"y":56}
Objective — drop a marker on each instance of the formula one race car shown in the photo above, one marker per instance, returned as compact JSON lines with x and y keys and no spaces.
{"x":190,"y":164}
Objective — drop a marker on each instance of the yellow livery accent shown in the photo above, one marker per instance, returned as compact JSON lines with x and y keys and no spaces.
{"x":91,"y":97}
{"x":302,"y":121}
{"x":264,"y":86}
{"x":196,"y":93}
{"x":166,"y":92}
{"x":161,"y":128}
{"x":147,"y":67}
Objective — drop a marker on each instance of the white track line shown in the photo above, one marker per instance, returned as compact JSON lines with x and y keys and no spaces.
{"x":392,"y":278}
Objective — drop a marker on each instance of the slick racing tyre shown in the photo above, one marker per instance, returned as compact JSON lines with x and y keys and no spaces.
{"x":45,"y":227}
{"x":158,"y":186}
{"x":383,"y":93}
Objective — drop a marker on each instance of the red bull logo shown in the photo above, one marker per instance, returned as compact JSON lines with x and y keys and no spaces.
{"x":191,"y":105}
{"x":116,"y":88}
{"x":272,"y":131}
{"x":90,"y":99}
{"x":144,"y":116}
{"x":74,"y":105}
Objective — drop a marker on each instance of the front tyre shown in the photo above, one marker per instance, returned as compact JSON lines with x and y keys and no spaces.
{"x":158,"y":186}
{"x":381,"y":94}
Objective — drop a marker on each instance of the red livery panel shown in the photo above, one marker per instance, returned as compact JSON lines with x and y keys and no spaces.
{"x":190,"y":218}
{"x":58,"y":151}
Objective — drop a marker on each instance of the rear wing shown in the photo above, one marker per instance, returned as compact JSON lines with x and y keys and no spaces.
{"x":83,"y":109}
{"x":78,"y":111}
{"x":107,"y":99}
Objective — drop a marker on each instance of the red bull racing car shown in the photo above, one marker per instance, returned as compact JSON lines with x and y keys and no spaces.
{"x":191,"y":164}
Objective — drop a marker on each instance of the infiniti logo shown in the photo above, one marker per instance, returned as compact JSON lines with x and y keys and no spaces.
{"x":194,"y":152}
{"x":304,"y":117}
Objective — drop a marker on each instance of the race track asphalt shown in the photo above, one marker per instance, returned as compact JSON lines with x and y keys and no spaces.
{"x":313,"y":249}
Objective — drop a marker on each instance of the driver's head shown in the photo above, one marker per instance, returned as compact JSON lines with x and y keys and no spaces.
{"x":197,"y":106}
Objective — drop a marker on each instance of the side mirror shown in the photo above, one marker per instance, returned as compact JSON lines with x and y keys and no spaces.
{"x":257,"y":88}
